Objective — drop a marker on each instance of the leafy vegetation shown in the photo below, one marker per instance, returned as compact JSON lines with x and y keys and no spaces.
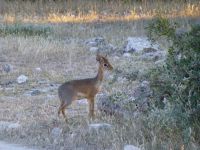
{"x":176,"y":85}
{"x":24,"y":30}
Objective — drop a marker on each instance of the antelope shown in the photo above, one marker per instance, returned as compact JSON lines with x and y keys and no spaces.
{"x":84,"y":88}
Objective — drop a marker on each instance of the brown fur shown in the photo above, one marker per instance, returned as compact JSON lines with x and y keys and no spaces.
{"x":86,"y":88}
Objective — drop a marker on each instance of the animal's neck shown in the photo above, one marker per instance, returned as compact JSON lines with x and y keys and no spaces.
{"x":100,"y":73}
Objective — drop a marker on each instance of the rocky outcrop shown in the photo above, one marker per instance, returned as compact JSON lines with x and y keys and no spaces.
{"x":99,"y":44}
{"x":126,"y":105}
{"x":137,"y":44}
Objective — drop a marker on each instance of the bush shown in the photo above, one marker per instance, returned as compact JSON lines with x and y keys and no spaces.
{"x":24,"y":30}
{"x":179,"y":78}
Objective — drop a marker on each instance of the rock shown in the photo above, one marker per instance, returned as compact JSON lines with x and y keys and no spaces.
{"x":127,"y":54}
{"x":99,"y":127}
{"x":99,"y":39}
{"x":126,"y":105}
{"x":152,"y":56}
{"x":56,"y":132}
{"x":95,"y":41}
{"x":142,"y":90}
{"x":38,"y":69}
{"x":7,"y":82}
{"x":35,"y":92}
{"x":7,"y":68}
{"x":112,"y":47}
{"x":94,"y":49}
{"x":50,"y":88}
{"x":160,"y":62}
{"x":4,"y":125}
{"x":99,"y":44}
{"x":14,"y":126}
{"x":106,"y":105}
{"x":141,"y":93}
{"x":82,"y":102}
{"x":131,"y":147}
{"x":8,"y":146}
{"x":137,"y":44}
{"x":121,"y":79}
{"x":149,"y":50}
{"x":91,"y":43}
{"x":22,"y":79}
{"x":43,"y":82}
{"x":41,"y":89}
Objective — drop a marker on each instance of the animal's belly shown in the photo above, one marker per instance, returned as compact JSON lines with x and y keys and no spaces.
{"x":81,"y":95}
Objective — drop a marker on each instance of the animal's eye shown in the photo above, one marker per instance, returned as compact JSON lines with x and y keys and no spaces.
{"x":105,"y":65}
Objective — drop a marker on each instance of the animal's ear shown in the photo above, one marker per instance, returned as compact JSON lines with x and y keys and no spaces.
{"x":98,"y":57}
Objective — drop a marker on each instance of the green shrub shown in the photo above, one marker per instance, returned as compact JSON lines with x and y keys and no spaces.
{"x":179,"y":78}
{"x":24,"y":30}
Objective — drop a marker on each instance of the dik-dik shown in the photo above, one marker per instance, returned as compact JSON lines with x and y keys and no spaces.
{"x":85,"y":88}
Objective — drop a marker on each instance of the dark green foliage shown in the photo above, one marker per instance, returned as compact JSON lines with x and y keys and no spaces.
{"x":132,"y":75}
{"x":24,"y":30}
{"x":180,"y":76}
{"x":159,"y":28}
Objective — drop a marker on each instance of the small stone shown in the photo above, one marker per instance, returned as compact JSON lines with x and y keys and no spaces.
{"x":95,"y":41}
{"x":131,"y":147}
{"x":38,"y":69}
{"x":82,"y":102}
{"x":42,"y":82}
{"x":160,"y":62}
{"x":35,"y":92}
{"x":4,"y":125}
{"x":22,"y":79}
{"x":14,"y":126}
{"x":145,"y":84}
{"x":56,"y":132}
{"x":149,"y":50}
{"x":112,"y":47}
{"x":94,"y":49}
{"x":127,"y":55}
{"x":8,"y":125}
{"x":99,"y":39}
{"x":121,"y":79}
{"x":7,"y":68}
{"x":91,"y":43}
{"x":97,"y":127}
{"x":152,"y":56}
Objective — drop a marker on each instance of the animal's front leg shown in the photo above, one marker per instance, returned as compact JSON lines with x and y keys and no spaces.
{"x":91,"y":107}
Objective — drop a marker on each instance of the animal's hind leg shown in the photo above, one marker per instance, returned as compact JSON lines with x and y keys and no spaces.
{"x":63,"y":110}
{"x":60,"y":108}
{"x":67,"y":99}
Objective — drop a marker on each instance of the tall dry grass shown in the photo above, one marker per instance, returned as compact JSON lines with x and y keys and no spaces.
{"x":90,"y":11}
{"x":62,"y":56}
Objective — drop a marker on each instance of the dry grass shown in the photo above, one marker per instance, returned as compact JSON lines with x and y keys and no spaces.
{"x":63,"y":56}
{"x":60,"y":60}
{"x":91,"y":11}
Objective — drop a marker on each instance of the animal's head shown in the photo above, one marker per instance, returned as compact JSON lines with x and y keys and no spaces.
{"x":103,"y":61}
